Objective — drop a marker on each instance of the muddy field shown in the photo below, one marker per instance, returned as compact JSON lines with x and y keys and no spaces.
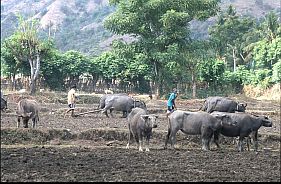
{"x":91,"y":147}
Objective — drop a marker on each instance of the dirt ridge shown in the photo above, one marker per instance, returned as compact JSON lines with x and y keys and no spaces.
{"x":13,"y":136}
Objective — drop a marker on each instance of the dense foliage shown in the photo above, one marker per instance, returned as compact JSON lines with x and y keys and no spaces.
{"x":239,"y":51}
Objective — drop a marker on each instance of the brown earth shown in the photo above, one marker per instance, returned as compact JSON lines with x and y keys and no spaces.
{"x":91,"y":147}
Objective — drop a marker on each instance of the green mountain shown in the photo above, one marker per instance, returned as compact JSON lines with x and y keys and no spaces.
{"x":78,"y":24}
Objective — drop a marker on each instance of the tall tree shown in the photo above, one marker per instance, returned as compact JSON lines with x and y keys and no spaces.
{"x":27,"y":47}
{"x":158,"y":24}
{"x":265,"y":35}
{"x":227,"y":34}
{"x":194,"y":54}
{"x":53,"y":70}
{"x":76,"y":64}
{"x":9,"y":64}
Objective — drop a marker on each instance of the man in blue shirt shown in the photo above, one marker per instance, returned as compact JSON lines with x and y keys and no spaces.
{"x":171,"y":102}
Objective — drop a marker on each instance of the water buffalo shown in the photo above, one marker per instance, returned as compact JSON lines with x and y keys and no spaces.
{"x":3,"y":104}
{"x":140,"y":125}
{"x":122,"y":103}
{"x":103,"y":98}
{"x":27,"y":109}
{"x":194,"y":123}
{"x":222,"y":104}
{"x":245,"y":124}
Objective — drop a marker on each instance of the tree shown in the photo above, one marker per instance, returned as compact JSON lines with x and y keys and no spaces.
{"x":25,"y":46}
{"x":136,"y":69}
{"x":211,"y":71}
{"x":53,"y":70}
{"x":158,"y":24}
{"x":94,"y":70}
{"x":125,"y":63}
{"x":227,"y":34}
{"x":75,"y":64}
{"x":193,"y":56}
{"x":9,"y":64}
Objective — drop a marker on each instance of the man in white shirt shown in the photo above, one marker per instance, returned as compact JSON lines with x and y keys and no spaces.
{"x":71,"y":99}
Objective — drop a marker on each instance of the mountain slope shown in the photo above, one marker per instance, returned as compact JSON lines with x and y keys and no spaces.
{"x":78,"y":24}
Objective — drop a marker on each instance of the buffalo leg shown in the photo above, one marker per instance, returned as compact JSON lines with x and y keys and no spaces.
{"x":173,"y":140}
{"x":167,"y":138}
{"x":216,"y":139}
{"x":129,"y":140}
{"x":124,"y":114}
{"x":207,"y":134}
{"x":33,"y":123}
{"x":240,"y":144}
{"x":205,"y":144}
{"x":171,"y":136}
{"x":18,"y":123}
{"x":147,"y":143}
{"x":255,"y":139}
{"x":139,"y":140}
{"x":25,"y":123}
{"x":105,"y":112}
{"x":110,"y":111}
{"x":248,"y":141}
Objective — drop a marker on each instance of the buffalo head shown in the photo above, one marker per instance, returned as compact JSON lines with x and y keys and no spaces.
{"x":225,"y":119}
{"x":140,"y":104}
{"x":266,"y":121}
{"x":150,"y":120}
{"x":241,"y":107}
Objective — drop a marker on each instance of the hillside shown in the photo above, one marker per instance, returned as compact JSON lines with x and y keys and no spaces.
{"x":78,"y":24}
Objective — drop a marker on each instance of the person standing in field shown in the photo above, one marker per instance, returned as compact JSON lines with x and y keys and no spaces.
{"x":71,"y":100}
{"x":171,"y":103}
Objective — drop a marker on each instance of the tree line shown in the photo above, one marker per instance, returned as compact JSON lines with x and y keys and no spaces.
{"x":239,"y":51}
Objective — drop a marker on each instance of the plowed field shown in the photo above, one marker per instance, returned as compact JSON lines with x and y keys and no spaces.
{"x":91,"y":147}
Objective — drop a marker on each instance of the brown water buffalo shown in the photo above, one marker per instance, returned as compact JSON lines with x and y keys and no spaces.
{"x":194,"y":123}
{"x":245,"y":124}
{"x":140,"y":125}
{"x":27,"y":109}
{"x":222,"y":104}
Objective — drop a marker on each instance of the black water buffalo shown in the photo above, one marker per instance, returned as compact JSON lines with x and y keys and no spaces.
{"x":27,"y":109}
{"x":3,"y":104}
{"x":122,"y":103}
{"x":245,"y":124}
{"x":140,"y":125}
{"x":222,"y":104}
{"x":194,"y":123}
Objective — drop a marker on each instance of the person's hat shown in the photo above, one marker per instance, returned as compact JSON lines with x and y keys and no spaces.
{"x":175,"y":90}
{"x":74,"y":86}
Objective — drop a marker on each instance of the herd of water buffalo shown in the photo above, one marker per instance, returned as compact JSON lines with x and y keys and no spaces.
{"x":218,"y":115}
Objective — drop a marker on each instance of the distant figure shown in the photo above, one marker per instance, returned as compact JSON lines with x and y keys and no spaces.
{"x":171,"y":104}
{"x":71,"y":100}
{"x":150,"y":96}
